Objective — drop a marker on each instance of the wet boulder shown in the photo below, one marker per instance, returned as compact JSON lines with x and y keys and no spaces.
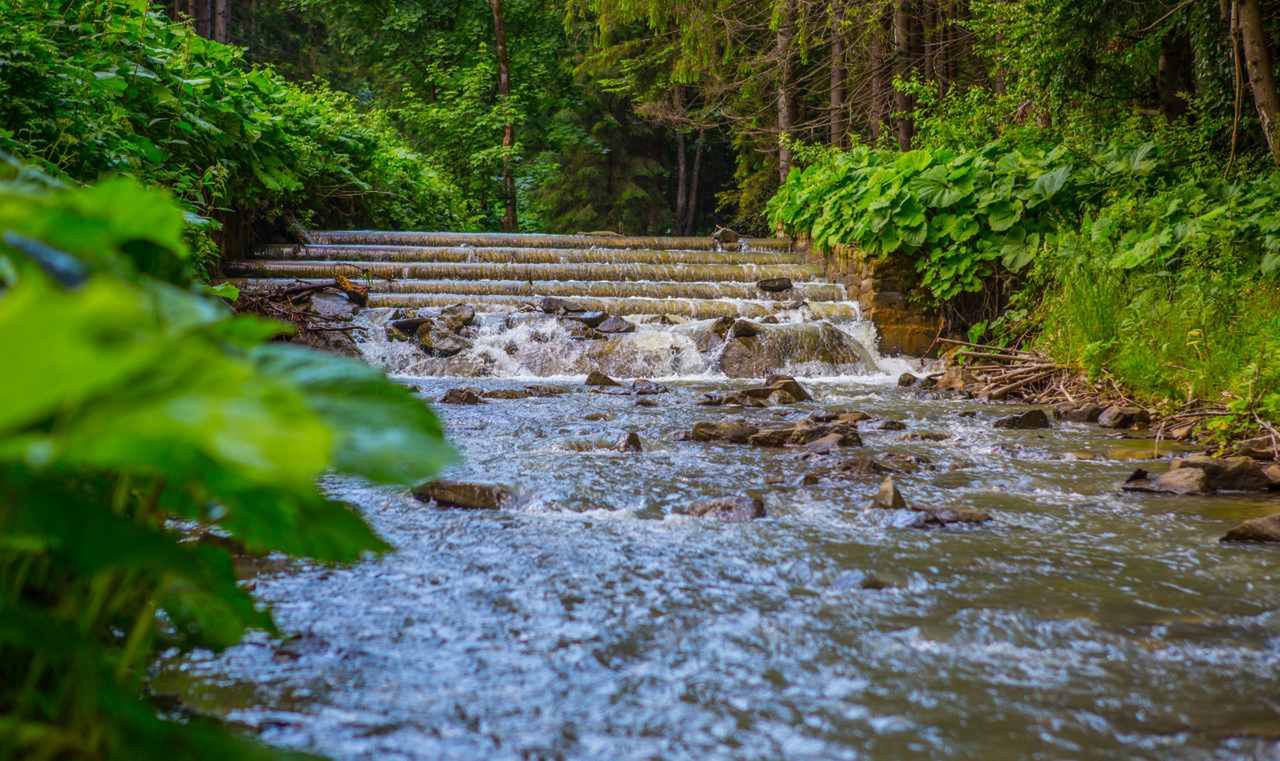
{"x":892,"y":425}
{"x":1025,"y":421}
{"x":888,"y":497}
{"x":590,"y":319}
{"x":731,"y":431}
{"x":615,"y":325}
{"x":776,"y":347}
{"x":1080,"y":413}
{"x":553,"y":305}
{"x":464,"y":496}
{"x":439,"y":342}
{"x":596,"y":378}
{"x":907,"y":380}
{"x":1123,"y":416}
{"x":462,"y":396}
{"x":729,"y":509}
{"x":744,"y":329}
{"x":1227,"y":473}
{"x":1183,"y":481}
{"x":458,"y":316}
{"x":646,"y":387}
{"x":1266,"y":529}
{"x":775,"y":284}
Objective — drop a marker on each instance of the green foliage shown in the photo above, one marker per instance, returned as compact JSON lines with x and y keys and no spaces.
{"x":91,"y":88}
{"x":962,"y":214}
{"x":137,"y":409}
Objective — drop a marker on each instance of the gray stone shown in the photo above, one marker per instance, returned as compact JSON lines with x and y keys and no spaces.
{"x":465,"y":496}
{"x":1029,"y":420}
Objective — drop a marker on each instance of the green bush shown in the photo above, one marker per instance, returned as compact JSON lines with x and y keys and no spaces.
{"x":135,"y":409}
{"x":95,"y":88}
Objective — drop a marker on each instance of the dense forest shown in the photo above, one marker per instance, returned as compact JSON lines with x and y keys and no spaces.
{"x":1093,"y":178}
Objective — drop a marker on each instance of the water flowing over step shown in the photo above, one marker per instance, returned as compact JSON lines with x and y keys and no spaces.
{"x":672,"y":289}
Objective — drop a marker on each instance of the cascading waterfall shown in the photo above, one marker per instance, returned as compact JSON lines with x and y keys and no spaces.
{"x":697,"y":310}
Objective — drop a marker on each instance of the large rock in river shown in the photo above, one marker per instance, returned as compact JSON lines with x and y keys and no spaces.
{"x":1257,"y":530}
{"x":792,"y":347}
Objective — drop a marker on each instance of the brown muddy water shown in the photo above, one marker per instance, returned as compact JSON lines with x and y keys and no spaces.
{"x":591,"y":621}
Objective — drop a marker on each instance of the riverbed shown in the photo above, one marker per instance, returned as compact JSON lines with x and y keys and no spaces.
{"x":591,"y":620}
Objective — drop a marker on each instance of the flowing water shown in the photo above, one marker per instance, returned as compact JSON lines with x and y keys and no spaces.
{"x":591,"y":620}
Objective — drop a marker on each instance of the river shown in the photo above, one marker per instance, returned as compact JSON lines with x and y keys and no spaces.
{"x":592,"y":621}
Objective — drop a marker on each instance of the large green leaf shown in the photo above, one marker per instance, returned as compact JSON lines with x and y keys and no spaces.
{"x":386,"y":433}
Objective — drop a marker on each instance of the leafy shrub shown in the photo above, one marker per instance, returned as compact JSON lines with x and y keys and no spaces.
{"x":92,"y":88}
{"x":132,"y":402}
{"x":964,"y":213}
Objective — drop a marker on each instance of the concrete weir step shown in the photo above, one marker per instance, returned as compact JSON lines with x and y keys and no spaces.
{"x":700,"y":309}
{"x":741,"y":273}
{"x":516,"y":255}
{"x":525,"y":240}
{"x":590,"y":288}
{"x":690,"y":277}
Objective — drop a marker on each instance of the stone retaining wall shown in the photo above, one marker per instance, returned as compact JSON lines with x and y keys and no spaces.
{"x":884,"y":290}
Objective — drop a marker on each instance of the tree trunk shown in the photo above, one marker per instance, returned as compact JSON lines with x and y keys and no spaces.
{"x":838,"y":74}
{"x":902,"y":58}
{"x":1176,"y":74}
{"x":203,"y":15}
{"x":509,"y":221}
{"x":692,"y":208}
{"x":786,"y":94}
{"x":221,"y":19}
{"x":1261,"y":74}
{"x":682,"y":183}
{"x":879,"y":59}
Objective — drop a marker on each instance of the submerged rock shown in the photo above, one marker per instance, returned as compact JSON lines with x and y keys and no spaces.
{"x":1029,"y":420}
{"x":545,"y":391}
{"x":925,"y":436}
{"x":1265,"y":529}
{"x":466,"y":496}
{"x":462,"y":396}
{"x":729,"y":509}
{"x":506,"y":393}
{"x":889,"y":498}
{"x":946,"y":516}
{"x":892,"y":425}
{"x":597,"y":417}
{"x":629,"y":442}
